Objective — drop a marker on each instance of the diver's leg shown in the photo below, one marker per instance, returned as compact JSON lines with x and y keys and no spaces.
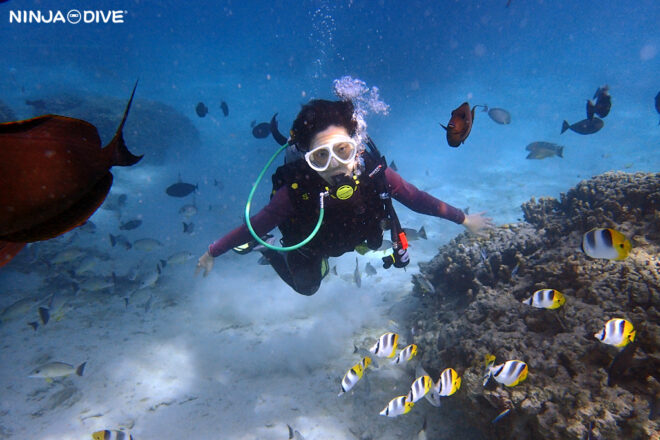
{"x":278,"y":261}
{"x":307,"y":271}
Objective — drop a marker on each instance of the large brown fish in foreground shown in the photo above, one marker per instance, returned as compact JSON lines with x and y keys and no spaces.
{"x":460,"y":124}
{"x":54,"y":175}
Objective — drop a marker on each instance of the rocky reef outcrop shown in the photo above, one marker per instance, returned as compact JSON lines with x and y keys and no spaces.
{"x":471,"y":294}
{"x":153,"y":128}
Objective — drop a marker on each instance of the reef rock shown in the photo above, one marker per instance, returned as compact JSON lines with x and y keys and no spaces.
{"x":472,"y":307}
{"x":153,"y":128}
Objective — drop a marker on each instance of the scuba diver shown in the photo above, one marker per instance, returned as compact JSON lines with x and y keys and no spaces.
{"x":341,"y":187}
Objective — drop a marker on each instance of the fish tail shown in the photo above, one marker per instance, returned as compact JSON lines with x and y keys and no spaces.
{"x":560,"y":152}
{"x":632,"y":335}
{"x":119,"y":154}
{"x":564,"y":126}
{"x":80,"y":369}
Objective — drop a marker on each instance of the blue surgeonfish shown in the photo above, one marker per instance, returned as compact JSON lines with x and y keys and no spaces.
{"x":606,"y":243}
{"x":618,"y":332}
{"x":546,"y":299}
{"x":353,"y":375}
{"x":510,"y":373}
{"x":419,"y":388}
{"x":385,"y":346}
{"x":406,"y":354}
{"x":397,"y":406}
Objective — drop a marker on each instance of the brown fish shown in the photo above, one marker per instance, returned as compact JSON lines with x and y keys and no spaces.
{"x":460,"y":124}
{"x":54,"y":175}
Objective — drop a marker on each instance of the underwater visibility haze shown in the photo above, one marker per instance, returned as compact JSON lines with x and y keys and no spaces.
{"x":132,"y":133}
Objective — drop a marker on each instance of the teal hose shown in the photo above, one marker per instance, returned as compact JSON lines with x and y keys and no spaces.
{"x":249,"y":202}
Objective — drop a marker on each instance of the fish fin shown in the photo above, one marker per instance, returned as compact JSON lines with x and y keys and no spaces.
{"x":81,"y":369}
{"x":564,"y":126}
{"x":560,"y":152}
{"x":119,"y":154}
{"x":44,"y":314}
{"x":443,"y":126}
{"x":34,"y":325}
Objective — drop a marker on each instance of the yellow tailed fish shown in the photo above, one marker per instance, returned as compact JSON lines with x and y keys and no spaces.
{"x":618,"y":332}
{"x":419,"y":388}
{"x":386,"y":345}
{"x":448,"y":383}
{"x":397,"y":406}
{"x":606,"y":243}
{"x":510,"y":373}
{"x":353,"y":375}
{"x":546,"y":299}
{"x":108,"y":434}
{"x":406,"y":354}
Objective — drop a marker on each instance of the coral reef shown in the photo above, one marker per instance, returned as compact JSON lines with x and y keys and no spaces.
{"x":152,"y":128}
{"x":474,"y":308}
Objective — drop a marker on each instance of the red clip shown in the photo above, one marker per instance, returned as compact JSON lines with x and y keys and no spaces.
{"x":403,"y":240}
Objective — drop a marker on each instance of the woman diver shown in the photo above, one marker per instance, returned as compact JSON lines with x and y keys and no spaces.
{"x":354,"y":185}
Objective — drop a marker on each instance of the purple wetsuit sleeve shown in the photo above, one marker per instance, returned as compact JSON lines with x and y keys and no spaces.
{"x":420,"y":201}
{"x":273,"y":214}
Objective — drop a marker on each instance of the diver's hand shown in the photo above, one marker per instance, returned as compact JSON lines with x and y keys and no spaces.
{"x":399,"y":258}
{"x":205,"y":262}
{"x":477,"y":223}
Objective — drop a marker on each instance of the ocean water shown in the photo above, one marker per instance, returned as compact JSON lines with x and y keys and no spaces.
{"x":238,"y":354}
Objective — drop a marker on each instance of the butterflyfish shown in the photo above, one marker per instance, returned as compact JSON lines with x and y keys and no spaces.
{"x":353,"y":375}
{"x":546,"y":299}
{"x":606,"y":243}
{"x":385,"y":346}
{"x":618,"y":332}
{"x":397,"y":406}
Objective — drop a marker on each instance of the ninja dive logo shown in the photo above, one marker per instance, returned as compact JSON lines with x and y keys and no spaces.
{"x":73,"y":16}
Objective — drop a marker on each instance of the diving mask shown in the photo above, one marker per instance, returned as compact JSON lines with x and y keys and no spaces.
{"x":341,"y":147}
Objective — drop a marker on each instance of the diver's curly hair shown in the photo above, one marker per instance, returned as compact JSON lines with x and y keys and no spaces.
{"x":319,"y":114}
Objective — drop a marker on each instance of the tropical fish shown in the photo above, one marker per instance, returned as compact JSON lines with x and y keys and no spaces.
{"x":114,"y":202}
{"x":96,"y":284}
{"x":406,"y":354}
{"x":618,"y":332}
{"x":188,"y":228}
{"x":397,"y":406}
{"x":448,"y":383}
{"x":585,"y":126}
{"x":177,"y":258}
{"x":225,"y":108}
{"x":111,"y":434}
{"x":150,"y":278}
{"x":357,"y":276}
{"x":279,"y":137}
{"x":606,"y":243}
{"x":67,"y":256}
{"x":424,"y":283}
{"x":393,"y":166}
{"x":69,"y":175}
{"x":419,"y":388}
{"x":498,"y":115}
{"x":17,"y":310}
{"x":541,"y":150}
{"x":120,"y":240}
{"x":602,"y":105}
{"x":131,"y":224}
{"x":146,"y":244}
{"x":201,"y":109}
{"x":510,"y":373}
{"x":353,"y":375}
{"x":413,"y":234}
{"x":53,"y":370}
{"x":657,"y":104}
{"x":180,"y":189}
{"x":369,"y":269}
{"x":88,"y":227}
{"x":385,"y":346}
{"x":260,"y":131}
{"x":460,"y":125}
{"x":546,"y":299}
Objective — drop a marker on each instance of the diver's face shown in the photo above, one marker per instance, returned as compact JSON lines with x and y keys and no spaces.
{"x":335,"y":168}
